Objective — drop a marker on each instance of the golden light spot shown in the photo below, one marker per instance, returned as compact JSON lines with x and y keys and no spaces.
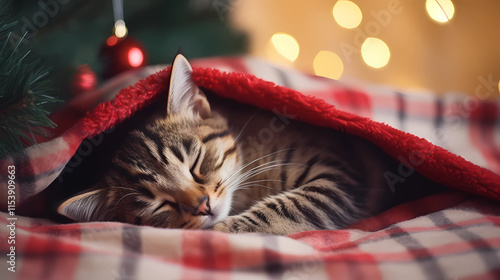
{"x":286,"y":45}
{"x":120,"y":29}
{"x":328,"y":64}
{"x":375,"y":52}
{"x":440,"y":10}
{"x":347,"y":14}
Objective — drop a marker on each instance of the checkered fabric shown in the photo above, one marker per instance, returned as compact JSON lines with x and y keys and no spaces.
{"x":461,"y":241}
{"x":447,"y":236}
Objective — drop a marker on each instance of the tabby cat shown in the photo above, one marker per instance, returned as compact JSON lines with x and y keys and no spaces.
{"x":211,"y":163}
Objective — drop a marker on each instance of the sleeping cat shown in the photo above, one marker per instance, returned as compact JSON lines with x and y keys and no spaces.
{"x":210,"y":163}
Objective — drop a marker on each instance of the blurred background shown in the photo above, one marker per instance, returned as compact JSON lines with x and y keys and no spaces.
{"x":439,"y":45}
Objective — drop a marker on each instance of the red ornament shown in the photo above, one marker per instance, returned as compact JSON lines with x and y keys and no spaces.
{"x":84,"y":80}
{"x":119,"y":55}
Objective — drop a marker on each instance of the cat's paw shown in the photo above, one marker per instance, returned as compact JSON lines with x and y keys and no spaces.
{"x":221,"y":226}
{"x":233,"y":225}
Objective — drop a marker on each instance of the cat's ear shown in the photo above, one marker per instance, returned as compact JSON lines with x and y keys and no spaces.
{"x":184,"y":96}
{"x":85,"y":207}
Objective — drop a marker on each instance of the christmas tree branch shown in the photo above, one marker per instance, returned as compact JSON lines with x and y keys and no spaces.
{"x":25,"y":93}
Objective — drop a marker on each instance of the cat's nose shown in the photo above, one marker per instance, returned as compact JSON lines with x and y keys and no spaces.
{"x":204,"y":207}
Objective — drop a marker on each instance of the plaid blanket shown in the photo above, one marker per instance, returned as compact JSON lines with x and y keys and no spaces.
{"x":447,"y":236}
{"x":460,"y":242}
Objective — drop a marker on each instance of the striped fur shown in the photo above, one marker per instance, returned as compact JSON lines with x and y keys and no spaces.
{"x":213,"y":164}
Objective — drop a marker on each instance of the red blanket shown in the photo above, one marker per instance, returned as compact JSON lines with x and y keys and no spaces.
{"x":447,"y":236}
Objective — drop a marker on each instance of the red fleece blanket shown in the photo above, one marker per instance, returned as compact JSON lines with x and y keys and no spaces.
{"x":447,"y":236}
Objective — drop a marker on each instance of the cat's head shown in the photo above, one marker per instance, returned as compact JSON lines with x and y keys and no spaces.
{"x":176,"y":172}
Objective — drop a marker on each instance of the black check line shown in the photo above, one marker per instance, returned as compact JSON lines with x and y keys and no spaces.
{"x":401,"y":110}
{"x":422,"y":256}
{"x":273,"y":263}
{"x":487,"y":254}
{"x":132,"y":244}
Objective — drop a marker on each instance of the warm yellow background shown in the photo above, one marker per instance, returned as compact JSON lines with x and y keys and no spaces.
{"x":424,"y":54}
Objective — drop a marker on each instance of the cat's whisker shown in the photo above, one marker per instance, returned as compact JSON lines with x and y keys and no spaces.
{"x":253,"y":161}
{"x":256,"y":171}
{"x":268,"y":166}
{"x":245,"y":188}
{"x":260,"y":166}
{"x":260,"y":181}
{"x":242,"y":179}
{"x":244,"y":126}
{"x":267,"y":180}
{"x":116,"y":204}
{"x":236,"y":173}
{"x":238,"y":195}
{"x":128,"y":189}
{"x":251,"y":185}
{"x":256,"y":168}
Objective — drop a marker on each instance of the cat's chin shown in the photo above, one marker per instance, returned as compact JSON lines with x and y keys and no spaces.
{"x":220,"y":213}
{"x":210,"y":221}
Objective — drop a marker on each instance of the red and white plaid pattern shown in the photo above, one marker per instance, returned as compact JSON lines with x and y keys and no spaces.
{"x":460,"y":242}
{"x":448,"y":236}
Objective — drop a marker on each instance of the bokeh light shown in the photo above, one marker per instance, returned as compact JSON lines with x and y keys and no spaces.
{"x":347,"y":14}
{"x":286,"y":45}
{"x":112,"y":40}
{"x":135,"y":57}
{"x":328,"y":64}
{"x":375,"y":52}
{"x":440,"y":10}
{"x":120,"y":29}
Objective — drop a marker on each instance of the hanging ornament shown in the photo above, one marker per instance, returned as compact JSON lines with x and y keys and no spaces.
{"x":121,"y":52}
{"x":84,"y":80}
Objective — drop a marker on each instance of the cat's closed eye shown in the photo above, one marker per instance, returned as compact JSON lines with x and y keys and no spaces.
{"x":173,"y":205}
{"x":196,"y":177}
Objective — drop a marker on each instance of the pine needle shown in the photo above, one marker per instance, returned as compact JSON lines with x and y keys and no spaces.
{"x":25,"y":92}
